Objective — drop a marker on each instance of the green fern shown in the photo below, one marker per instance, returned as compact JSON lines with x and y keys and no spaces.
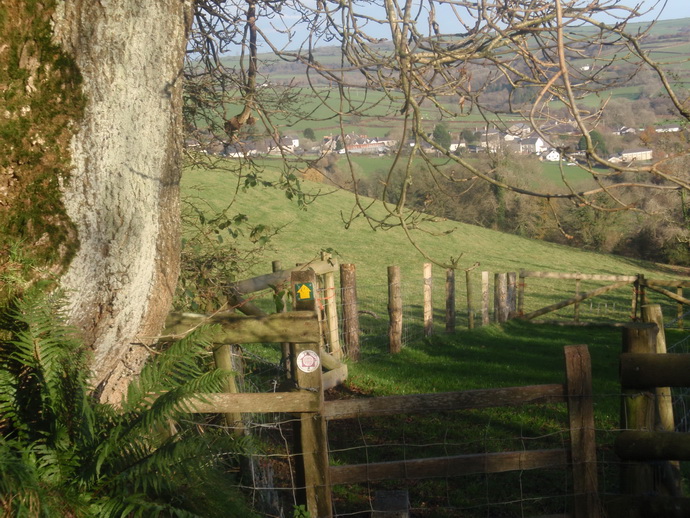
{"x":63,"y":454}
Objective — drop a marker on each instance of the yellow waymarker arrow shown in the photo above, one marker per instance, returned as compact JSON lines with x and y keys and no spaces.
{"x":304,"y":293}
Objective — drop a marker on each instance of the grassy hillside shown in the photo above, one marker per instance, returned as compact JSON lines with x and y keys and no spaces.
{"x":304,"y":233}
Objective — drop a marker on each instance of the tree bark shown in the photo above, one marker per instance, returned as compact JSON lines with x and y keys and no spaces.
{"x":123,"y":194}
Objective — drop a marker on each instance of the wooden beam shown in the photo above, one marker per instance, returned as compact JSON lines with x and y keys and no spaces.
{"x":257,"y":403}
{"x":443,"y":401}
{"x":296,"y":327}
{"x":650,"y":370}
{"x":449,"y":466}
{"x":639,"y":445}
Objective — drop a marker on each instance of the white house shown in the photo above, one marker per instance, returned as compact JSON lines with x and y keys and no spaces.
{"x":533,"y":145}
{"x":638,"y":154}
{"x":553,"y":155}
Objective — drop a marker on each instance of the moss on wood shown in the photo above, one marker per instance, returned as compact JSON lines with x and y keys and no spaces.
{"x":40,"y":98}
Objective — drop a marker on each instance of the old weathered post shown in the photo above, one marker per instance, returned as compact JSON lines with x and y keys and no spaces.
{"x":470,"y":306}
{"x":281,"y":307}
{"x":348,"y":290}
{"x":222,"y":356}
{"x":428,"y":303}
{"x":486,"y":319}
{"x":331,"y":310}
{"x":681,"y":308}
{"x":395,"y":314}
{"x":651,"y":313}
{"x":306,"y":362}
{"x":512,"y":294}
{"x":578,"y":368}
{"x":500,"y":297}
{"x":450,"y":300}
{"x":521,"y":294}
{"x":637,"y":410}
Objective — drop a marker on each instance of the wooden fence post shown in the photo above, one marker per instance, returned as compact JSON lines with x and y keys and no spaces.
{"x":578,"y":368}
{"x":395,"y":307}
{"x":512,"y":294}
{"x":450,"y":300}
{"x":331,"y":310}
{"x":284,"y":347}
{"x":486,"y":319}
{"x":222,"y":356}
{"x":313,"y":444}
{"x":348,"y":288}
{"x":637,"y":410}
{"x":577,"y":303}
{"x":681,"y":310}
{"x":500,"y":297}
{"x":521,"y":294}
{"x":428,"y":303}
{"x":651,"y":313}
{"x":470,"y":304}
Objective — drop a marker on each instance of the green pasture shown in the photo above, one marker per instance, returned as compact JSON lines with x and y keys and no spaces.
{"x":305,"y":233}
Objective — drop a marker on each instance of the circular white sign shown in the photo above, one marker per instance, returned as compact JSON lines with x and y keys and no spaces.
{"x":308,"y":361}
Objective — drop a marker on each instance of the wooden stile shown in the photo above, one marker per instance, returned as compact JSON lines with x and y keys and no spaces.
{"x":312,"y":426}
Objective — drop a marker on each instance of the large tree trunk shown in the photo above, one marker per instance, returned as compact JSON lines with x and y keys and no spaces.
{"x":123,"y":191}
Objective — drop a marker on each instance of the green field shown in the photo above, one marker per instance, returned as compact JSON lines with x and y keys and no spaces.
{"x":304,"y":233}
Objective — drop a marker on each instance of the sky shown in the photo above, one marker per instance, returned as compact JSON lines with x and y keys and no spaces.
{"x":672,"y":9}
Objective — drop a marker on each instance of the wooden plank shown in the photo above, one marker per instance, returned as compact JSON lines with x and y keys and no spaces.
{"x":443,"y":401}
{"x":651,"y":370}
{"x":257,"y":403}
{"x":578,"y":368}
{"x":582,"y":276}
{"x":579,"y":298}
{"x":297,"y":327}
{"x":264,"y":282}
{"x":449,"y":466}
